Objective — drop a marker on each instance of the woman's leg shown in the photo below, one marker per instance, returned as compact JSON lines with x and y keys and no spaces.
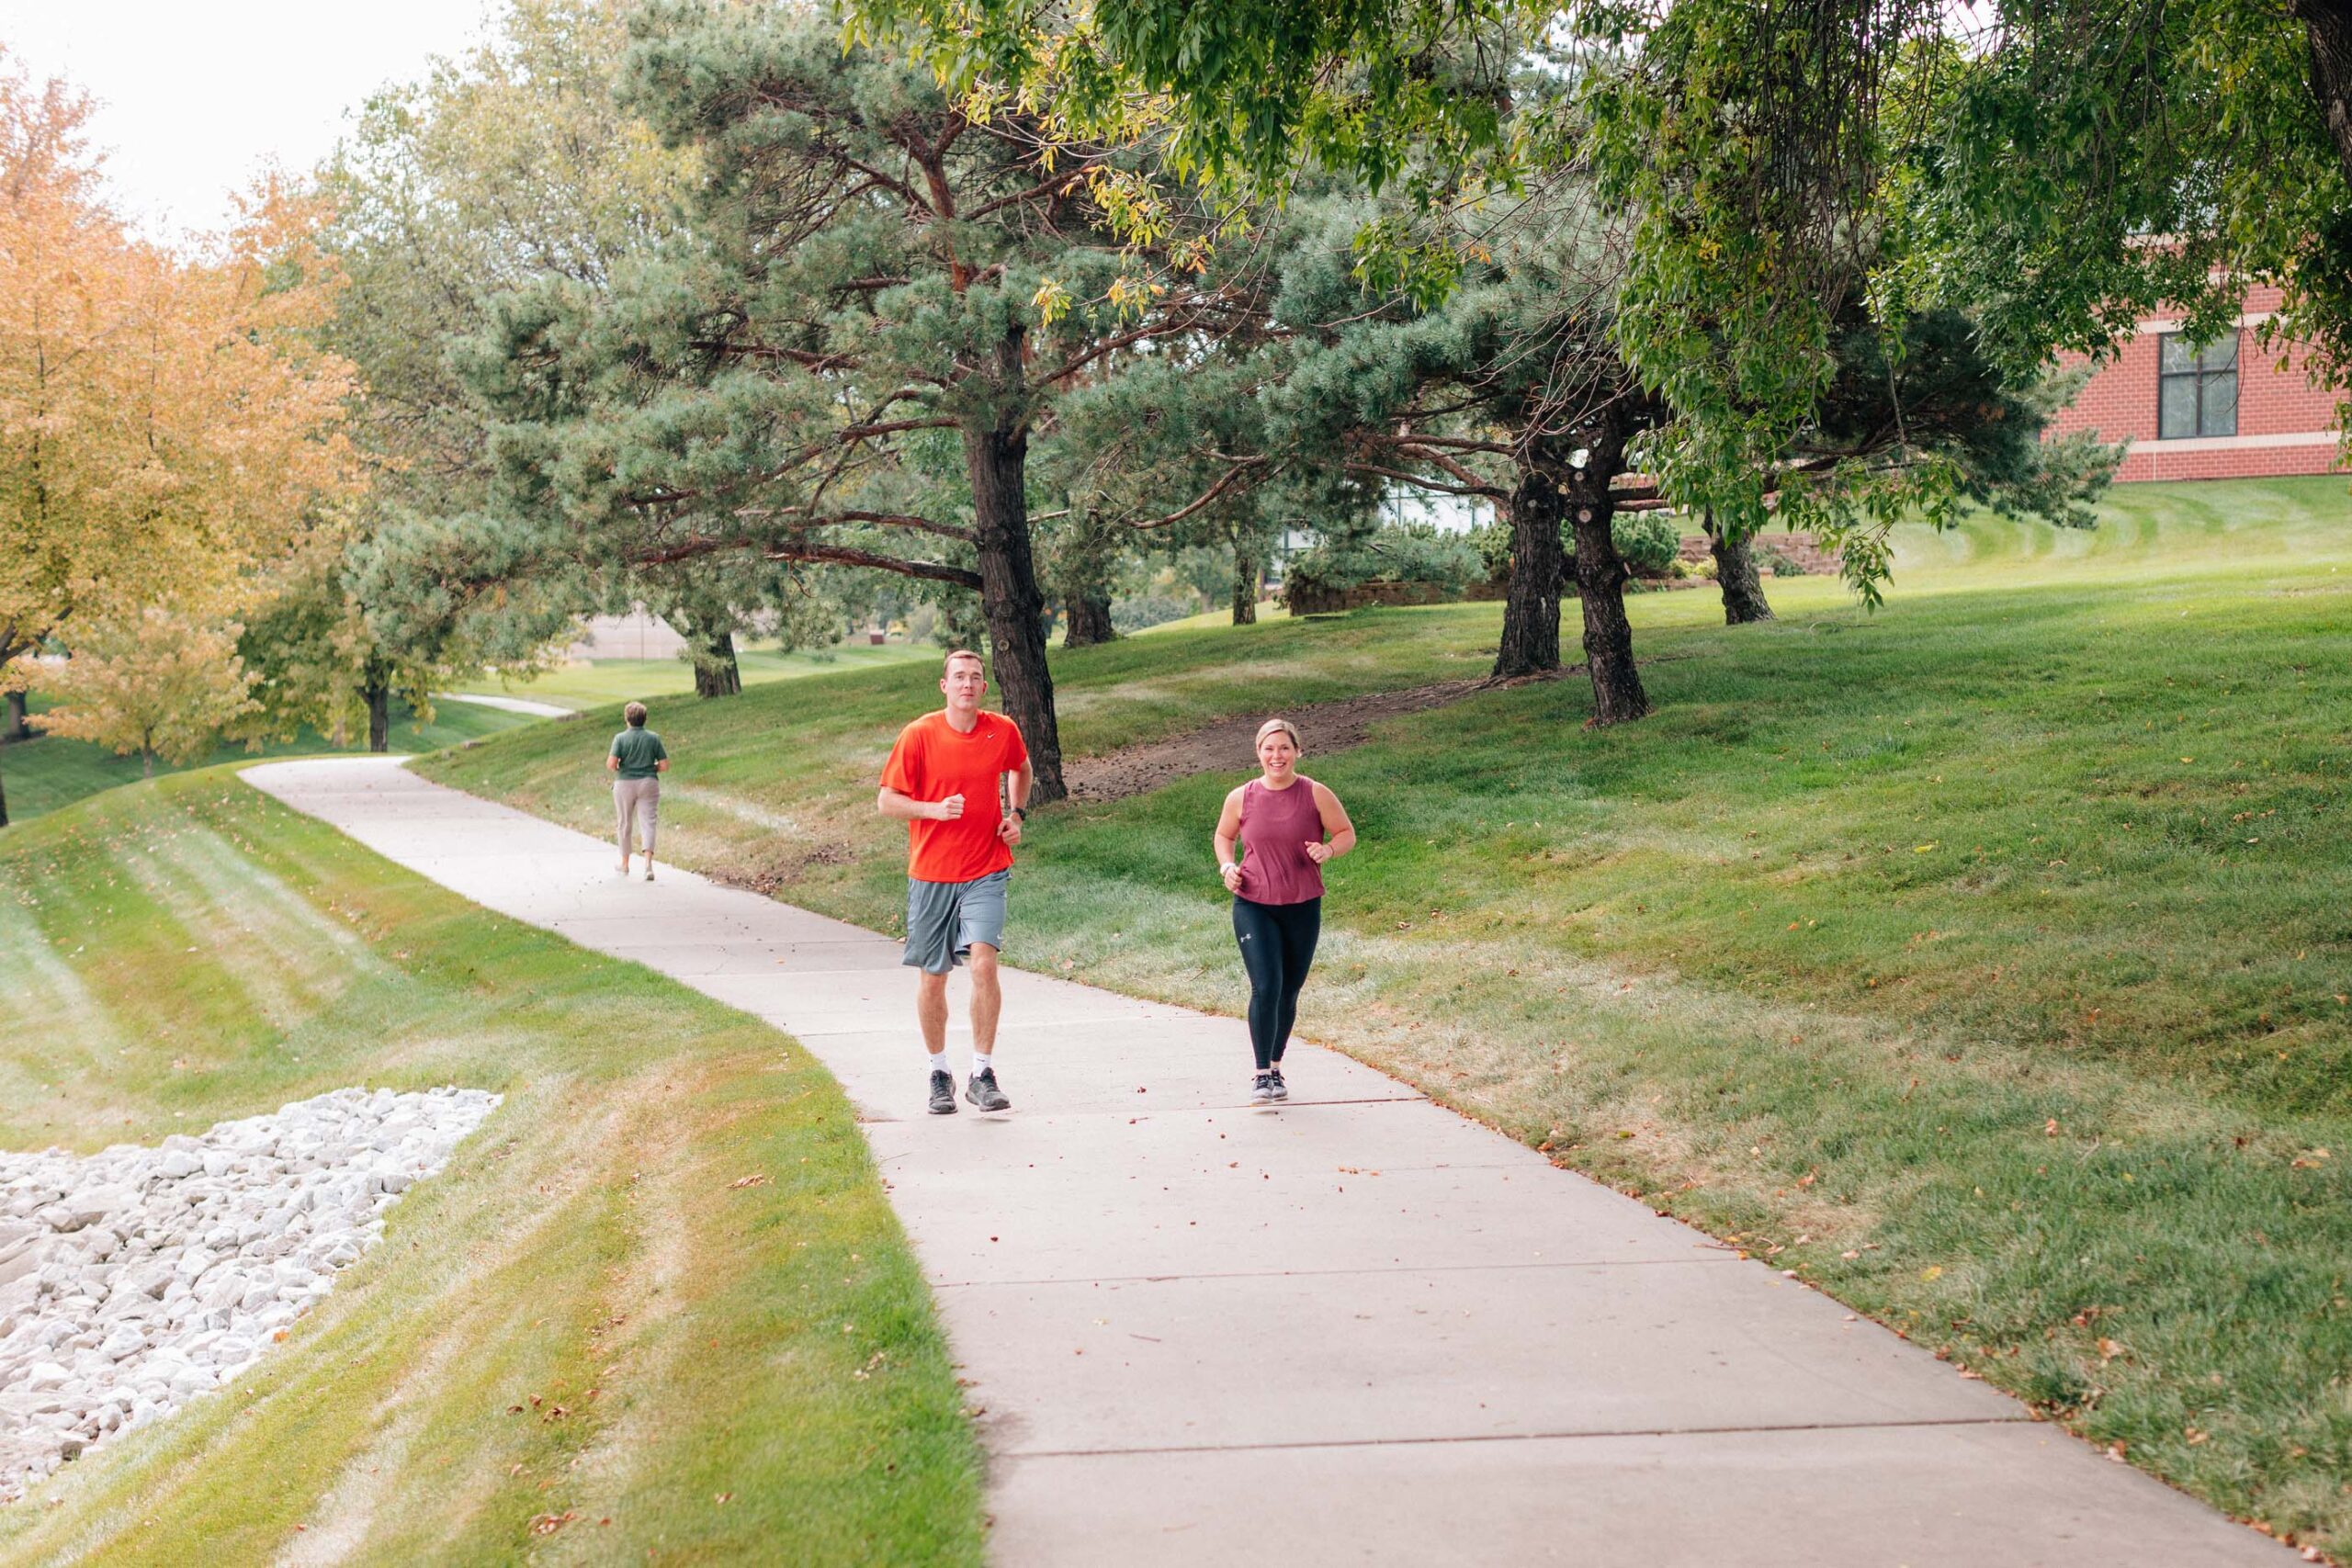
{"x":649,"y":816}
{"x":1258,"y":931}
{"x":622,"y":809}
{"x":1302,"y":925}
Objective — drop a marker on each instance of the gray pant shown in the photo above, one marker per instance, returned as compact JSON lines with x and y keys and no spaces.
{"x":637,"y":803}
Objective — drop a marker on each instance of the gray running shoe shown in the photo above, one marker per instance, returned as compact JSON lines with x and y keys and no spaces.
{"x":942,"y":1094}
{"x":982,"y":1091}
{"x":1261,"y":1089}
{"x":1282,"y":1089}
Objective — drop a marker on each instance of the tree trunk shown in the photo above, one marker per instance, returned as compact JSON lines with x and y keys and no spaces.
{"x":1090,"y":620}
{"x":1249,"y":572}
{"x":18,"y":726}
{"x":1743,"y":590}
{"x":146,"y":763}
{"x":378,"y":693}
{"x":717,"y":674}
{"x":1531,"y":640}
{"x":4,"y":803}
{"x":997,"y":460}
{"x":1617,"y":694}
{"x":2327,"y":28}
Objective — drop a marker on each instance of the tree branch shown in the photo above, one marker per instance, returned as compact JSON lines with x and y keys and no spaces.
{"x":820,"y":555}
{"x":1240,"y":467}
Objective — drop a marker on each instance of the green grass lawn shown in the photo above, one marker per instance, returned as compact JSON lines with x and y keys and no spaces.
{"x":744,"y":1372}
{"x":598,"y":683}
{"x":50,"y":771}
{"x":1984,"y":961}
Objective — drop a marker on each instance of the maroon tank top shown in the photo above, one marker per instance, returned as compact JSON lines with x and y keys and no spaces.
{"x":1276,"y":827}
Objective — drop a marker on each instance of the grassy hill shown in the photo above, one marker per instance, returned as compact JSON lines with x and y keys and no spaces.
{"x":181,"y":951}
{"x":50,"y":770}
{"x":597,"y":682}
{"x":1982,"y":961}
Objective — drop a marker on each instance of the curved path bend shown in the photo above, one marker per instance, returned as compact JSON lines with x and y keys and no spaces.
{"x":1359,"y":1330}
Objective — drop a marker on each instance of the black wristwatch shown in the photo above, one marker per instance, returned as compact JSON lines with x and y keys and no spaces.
{"x":1022,"y":812}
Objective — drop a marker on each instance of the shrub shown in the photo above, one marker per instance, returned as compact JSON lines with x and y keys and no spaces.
{"x":1650,"y":542}
{"x":1131,"y":614}
{"x":1414,"y":552}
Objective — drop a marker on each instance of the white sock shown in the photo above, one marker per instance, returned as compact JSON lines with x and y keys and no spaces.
{"x":982,"y":1063}
{"x":939,"y":1061}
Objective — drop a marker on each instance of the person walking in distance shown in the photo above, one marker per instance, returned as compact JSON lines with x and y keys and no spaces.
{"x":1286,"y":827}
{"x":959,"y":780}
{"x":638,"y":759}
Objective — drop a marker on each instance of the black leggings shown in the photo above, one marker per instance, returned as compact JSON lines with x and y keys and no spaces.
{"x":1277,"y":945}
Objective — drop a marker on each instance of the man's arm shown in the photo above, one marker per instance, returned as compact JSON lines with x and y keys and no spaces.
{"x":907,"y":808}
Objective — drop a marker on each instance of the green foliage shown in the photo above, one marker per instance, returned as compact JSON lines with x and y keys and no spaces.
{"x":1650,"y":542}
{"x":1407,"y":552}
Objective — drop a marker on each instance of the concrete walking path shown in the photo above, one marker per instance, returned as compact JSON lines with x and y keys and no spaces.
{"x":1361,"y":1329}
{"x":508,"y":704}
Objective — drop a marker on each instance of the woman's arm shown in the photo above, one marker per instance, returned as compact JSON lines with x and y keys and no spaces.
{"x":1339,"y":834}
{"x":1229,"y":828}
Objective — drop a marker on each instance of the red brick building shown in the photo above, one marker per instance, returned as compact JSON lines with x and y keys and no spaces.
{"x":2232,"y":409}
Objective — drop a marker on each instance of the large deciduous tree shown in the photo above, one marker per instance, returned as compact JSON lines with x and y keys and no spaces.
{"x":167,"y":427}
{"x":885,"y":293}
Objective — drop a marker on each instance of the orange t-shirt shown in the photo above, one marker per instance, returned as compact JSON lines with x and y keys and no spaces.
{"x":931,"y":761}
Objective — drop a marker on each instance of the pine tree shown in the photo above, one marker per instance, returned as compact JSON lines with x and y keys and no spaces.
{"x":886,"y":294}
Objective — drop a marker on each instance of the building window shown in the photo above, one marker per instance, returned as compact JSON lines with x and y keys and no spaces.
{"x":2197,"y":390}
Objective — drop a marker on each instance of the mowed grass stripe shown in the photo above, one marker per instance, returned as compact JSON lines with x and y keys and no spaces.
{"x":743,"y":1373}
{"x":1934,"y":936}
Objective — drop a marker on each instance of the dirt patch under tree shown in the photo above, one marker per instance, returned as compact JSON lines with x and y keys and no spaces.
{"x":1225,"y":745}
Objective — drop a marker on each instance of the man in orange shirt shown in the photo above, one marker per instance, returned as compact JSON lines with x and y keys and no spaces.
{"x":942,"y":781}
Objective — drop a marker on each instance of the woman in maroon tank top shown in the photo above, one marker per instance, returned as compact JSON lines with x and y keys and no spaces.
{"x":1288,"y":826}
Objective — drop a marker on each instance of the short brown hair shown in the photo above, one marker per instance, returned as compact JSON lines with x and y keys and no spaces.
{"x":961,"y":653}
{"x":635,"y":714}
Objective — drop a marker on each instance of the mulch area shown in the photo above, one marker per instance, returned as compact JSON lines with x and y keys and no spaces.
{"x":1226,"y":746}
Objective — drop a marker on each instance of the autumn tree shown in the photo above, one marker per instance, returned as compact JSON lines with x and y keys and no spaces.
{"x":885,"y":294}
{"x":166,"y":425}
{"x":151,"y":682}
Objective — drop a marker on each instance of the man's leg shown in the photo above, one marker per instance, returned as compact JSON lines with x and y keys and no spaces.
{"x":931,"y":1014}
{"x":988,"y":1001}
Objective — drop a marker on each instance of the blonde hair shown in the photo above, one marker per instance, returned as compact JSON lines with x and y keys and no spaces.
{"x":1283,"y":725}
{"x":947,"y":663}
{"x":635,"y":714}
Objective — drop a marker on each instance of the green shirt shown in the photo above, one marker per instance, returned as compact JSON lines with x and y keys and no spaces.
{"x":639,"y":749}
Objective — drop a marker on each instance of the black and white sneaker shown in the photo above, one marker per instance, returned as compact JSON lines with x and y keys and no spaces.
{"x":982,"y":1091}
{"x":1282,"y":1089}
{"x":1261,"y":1089}
{"x":942,"y":1094}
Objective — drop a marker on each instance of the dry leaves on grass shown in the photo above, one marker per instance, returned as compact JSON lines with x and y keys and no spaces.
{"x":757,"y":1178}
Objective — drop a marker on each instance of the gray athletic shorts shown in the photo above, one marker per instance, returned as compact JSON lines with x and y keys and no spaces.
{"x":945,"y":918}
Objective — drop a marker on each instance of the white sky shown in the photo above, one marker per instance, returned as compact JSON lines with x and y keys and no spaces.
{"x":196,"y":96}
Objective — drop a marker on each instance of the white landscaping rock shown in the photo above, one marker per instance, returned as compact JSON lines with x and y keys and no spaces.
{"x":135,"y":1278}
